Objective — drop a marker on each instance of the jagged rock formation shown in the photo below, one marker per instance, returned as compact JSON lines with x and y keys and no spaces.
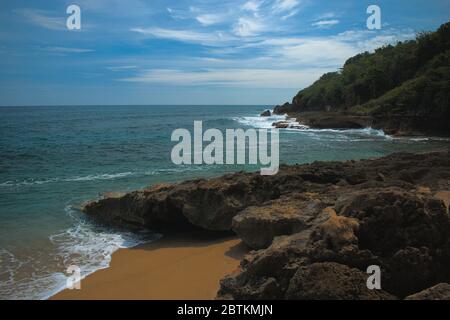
{"x":316,"y":228}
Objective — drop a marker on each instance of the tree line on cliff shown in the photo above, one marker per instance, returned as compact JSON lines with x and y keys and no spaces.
{"x":411,"y":78}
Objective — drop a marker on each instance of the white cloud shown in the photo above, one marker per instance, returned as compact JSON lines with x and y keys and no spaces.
{"x":324,"y":52}
{"x":290,"y":14}
{"x":316,"y":52}
{"x":381,"y":40}
{"x":210,"y":19}
{"x":43,"y":19}
{"x":325,"y":23}
{"x":367,"y":40}
{"x":246,"y":27}
{"x":117,"y":7}
{"x":255,"y":78}
{"x":251,"y":50}
{"x":205,"y":38}
{"x":251,"y":6}
{"x":251,"y":18}
{"x":325,"y":16}
{"x":178,"y":14}
{"x":354,"y":35}
{"x":66,"y":50}
{"x":225,"y":50}
{"x":121,"y":68}
{"x":285,"y":5}
{"x":309,"y":52}
{"x":279,"y":53}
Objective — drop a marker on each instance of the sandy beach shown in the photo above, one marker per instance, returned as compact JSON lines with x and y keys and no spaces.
{"x":183,"y":266}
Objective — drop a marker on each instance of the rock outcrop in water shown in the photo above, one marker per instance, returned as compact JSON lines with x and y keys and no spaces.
{"x":316,"y":228}
{"x":266,"y":113}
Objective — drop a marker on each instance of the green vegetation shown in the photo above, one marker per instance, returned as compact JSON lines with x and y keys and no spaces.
{"x":411,"y":78}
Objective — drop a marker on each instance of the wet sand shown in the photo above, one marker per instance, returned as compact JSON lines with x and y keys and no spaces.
{"x":183,"y":266}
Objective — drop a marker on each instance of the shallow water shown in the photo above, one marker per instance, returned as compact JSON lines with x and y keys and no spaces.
{"x":52,"y":159}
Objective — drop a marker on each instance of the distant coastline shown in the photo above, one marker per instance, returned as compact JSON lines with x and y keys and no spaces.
{"x":402,"y":89}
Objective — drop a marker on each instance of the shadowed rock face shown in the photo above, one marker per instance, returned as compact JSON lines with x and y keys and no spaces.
{"x":208,"y":204}
{"x":329,"y":120}
{"x":311,"y":220}
{"x":332,"y":281}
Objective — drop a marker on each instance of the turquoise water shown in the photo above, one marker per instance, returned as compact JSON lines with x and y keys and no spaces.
{"x":52,"y":159}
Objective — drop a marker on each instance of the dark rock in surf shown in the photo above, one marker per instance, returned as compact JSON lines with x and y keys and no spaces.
{"x":266,"y":113}
{"x":281,"y":124}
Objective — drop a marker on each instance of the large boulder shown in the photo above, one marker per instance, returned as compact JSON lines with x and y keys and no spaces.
{"x":257,"y":226}
{"x":208,"y":204}
{"x":151,"y":207}
{"x":265,"y":274}
{"x":281,"y":124}
{"x":393,"y":218}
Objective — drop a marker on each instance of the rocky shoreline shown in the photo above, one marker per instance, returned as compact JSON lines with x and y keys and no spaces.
{"x":402,"y":89}
{"x":400,"y":125}
{"x":315,"y":228}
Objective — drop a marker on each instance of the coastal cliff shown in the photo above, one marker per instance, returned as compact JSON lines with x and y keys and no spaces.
{"x":315,"y":228}
{"x":402,"y":89}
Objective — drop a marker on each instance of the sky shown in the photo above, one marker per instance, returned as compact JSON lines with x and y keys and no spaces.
{"x":190,"y":51}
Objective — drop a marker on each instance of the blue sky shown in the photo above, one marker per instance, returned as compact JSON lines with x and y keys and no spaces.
{"x":189,"y":52}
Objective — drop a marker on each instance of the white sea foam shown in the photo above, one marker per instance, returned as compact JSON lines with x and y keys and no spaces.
{"x":85,"y":245}
{"x":94,"y":177}
{"x":267,"y":123}
{"x":260,"y":122}
{"x":105,"y":176}
{"x":28,"y":182}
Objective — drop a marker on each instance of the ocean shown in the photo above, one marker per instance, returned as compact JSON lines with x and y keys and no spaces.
{"x":53,"y":159}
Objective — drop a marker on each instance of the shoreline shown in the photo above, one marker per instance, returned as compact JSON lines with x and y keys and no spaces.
{"x":182,"y":266}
